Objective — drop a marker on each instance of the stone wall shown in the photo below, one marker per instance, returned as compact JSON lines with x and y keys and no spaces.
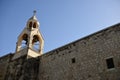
{"x":19,"y":69}
{"x":4,"y":62}
{"x":23,"y":69}
{"x":89,"y":58}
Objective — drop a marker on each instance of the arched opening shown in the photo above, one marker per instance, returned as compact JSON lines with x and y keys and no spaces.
{"x":30,"y":25}
{"x":36,"y":43}
{"x":34,"y":25}
{"x":24,"y":41}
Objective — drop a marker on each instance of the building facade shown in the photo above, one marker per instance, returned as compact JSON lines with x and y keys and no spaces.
{"x":95,"y":57}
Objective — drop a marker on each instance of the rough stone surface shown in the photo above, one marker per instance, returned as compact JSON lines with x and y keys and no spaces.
{"x":90,"y":54}
{"x":21,"y":69}
{"x":4,"y":64}
{"x":84,"y":59}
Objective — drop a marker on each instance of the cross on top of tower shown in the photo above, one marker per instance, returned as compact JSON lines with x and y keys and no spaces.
{"x":34,"y":12}
{"x":34,"y":16}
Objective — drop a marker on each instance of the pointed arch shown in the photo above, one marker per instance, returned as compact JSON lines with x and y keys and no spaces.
{"x":22,"y":42}
{"x":30,"y":25}
{"x":34,"y":25}
{"x":36,"y":43}
{"x":25,"y":38}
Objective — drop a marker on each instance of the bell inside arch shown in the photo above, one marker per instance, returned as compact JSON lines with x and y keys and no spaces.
{"x":34,"y":25}
{"x":36,"y":43}
{"x":24,"y":41}
{"x":30,"y":25}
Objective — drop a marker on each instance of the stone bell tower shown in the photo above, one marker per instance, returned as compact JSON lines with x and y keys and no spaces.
{"x":30,"y":41}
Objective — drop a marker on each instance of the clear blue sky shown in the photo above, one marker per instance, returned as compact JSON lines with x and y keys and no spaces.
{"x":61,"y":21}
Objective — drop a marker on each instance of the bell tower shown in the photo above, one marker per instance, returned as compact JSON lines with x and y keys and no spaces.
{"x":30,"y":42}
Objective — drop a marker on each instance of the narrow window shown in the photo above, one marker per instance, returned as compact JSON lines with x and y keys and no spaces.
{"x":73,"y":60}
{"x":110,"y":63}
{"x":30,"y":25}
{"x":34,"y":25}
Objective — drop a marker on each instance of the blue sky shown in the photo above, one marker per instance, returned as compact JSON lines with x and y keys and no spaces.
{"x":61,"y":21}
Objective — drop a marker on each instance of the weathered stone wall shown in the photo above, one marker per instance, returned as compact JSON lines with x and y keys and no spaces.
{"x":84,"y":59}
{"x":4,"y":61}
{"x":23,"y":69}
{"x":19,"y":69}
